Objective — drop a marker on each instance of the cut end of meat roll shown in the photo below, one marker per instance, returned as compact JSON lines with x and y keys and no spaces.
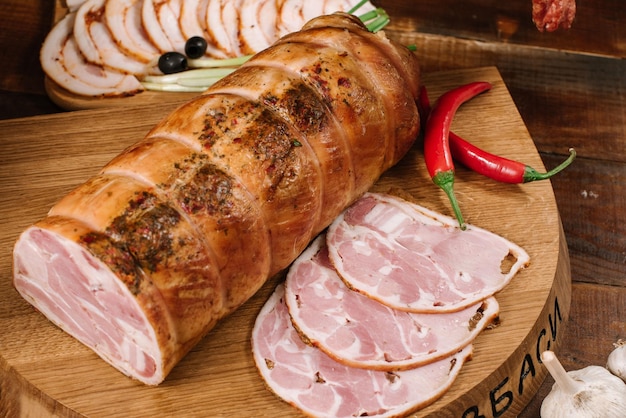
{"x":85,"y":298}
{"x":141,"y":261}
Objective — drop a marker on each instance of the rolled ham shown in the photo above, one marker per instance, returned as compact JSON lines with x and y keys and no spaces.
{"x":142,"y":260}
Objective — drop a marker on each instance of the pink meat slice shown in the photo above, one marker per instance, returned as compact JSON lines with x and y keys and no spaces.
{"x":112,"y":320}
{"x":311,"y":381}
{"x":411,"y":258}
{"x":360,"y":332}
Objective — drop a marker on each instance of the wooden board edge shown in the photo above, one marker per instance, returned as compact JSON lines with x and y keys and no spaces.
{"x":71,"y":102}
{"x":511,"y":387}
{"x":19,"y":398}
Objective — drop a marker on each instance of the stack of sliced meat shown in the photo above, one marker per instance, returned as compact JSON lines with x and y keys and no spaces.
{"x":378,"y":315}
{"x":101,"y":46}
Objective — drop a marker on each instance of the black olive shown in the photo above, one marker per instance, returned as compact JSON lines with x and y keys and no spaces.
{"x":172,"y":62}
{"x":195,"y":47}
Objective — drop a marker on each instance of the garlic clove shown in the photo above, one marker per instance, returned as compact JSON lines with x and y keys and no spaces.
{"x":589,"y":392}
{"x":616,"y":363}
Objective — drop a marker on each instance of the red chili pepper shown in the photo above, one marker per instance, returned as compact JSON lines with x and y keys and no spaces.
{"x":490,"y":165}
{"x":437,"y":153}
{"x":500,"y":168}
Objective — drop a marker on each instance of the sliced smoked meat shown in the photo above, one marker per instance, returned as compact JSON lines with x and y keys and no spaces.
{"x":311,"y":381}
{"x":411,"y":258}
{"x":359,"y":331}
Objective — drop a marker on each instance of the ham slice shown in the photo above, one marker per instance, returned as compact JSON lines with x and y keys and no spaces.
{"x":361,"y":332}
{"x":83,"y":296}
{"x":151,"y":22}
{"x":216,"y":28}
{"x":168,"y":15}
{"x":128,"y":36}
{"x":257,"y":24}
{"x":411,"y":258}
{"x":319,"y":386}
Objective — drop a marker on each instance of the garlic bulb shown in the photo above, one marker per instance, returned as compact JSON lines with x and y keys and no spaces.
{"x":589,"y":392}
{"x":616,"y":362}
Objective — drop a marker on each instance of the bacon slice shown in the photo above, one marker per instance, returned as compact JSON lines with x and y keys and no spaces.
{"x":414,"y":259}
{"x":549,"y":15}
{"x":317,"y":385}
{"x":360,"y":332}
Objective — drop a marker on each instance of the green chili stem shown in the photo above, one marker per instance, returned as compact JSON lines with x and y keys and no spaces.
{"x":445,"y":180}
{"x":530,"y":174}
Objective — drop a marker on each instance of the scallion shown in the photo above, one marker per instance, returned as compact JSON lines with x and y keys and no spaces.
{"x":204,"y":72}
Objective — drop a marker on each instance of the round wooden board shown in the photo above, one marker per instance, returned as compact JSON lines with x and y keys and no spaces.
{"x":45,"y":372}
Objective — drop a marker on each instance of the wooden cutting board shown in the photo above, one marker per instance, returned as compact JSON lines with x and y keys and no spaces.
{"x":45,"y":372}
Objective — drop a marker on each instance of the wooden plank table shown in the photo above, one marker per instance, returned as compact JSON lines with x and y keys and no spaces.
{"x":569,"y":87}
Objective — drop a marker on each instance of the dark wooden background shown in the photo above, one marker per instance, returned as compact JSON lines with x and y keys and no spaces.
{"x":569,"y":86}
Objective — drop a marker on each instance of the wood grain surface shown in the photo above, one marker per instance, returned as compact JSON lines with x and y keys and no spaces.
{"x":49,"y":372}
